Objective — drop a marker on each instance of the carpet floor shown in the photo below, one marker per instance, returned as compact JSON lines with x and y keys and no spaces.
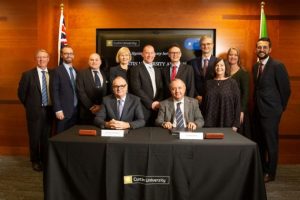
{"x":19,"y":182}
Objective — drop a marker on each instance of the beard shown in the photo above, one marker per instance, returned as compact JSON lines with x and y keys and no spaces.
{"x":262,"y":55}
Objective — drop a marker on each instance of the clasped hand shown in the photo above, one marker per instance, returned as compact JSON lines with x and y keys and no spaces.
{"x":115,"y":124}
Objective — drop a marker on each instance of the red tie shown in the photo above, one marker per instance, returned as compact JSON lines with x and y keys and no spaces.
{"x":260,"y":69}
{"x":205,"y":65}
{"x":173,"y":75}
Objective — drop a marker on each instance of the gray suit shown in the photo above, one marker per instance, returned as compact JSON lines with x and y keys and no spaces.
{"x":192,"y":113}
{"x":132,"y":111}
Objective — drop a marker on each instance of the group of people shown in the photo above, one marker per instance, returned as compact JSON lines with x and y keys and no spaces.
{"x":206,"y":92}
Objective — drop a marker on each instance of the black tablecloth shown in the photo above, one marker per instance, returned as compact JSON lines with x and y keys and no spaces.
{"x":94,"y":167}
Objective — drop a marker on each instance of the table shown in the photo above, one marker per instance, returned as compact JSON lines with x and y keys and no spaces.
{"x":151,"y":164}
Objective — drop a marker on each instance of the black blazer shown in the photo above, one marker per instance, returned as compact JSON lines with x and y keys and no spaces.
{"x":29,"y":93}
{"x":200,"y":79}
{"x":185,"y":73}
{"x":88,"y":94}
{"x":62,"y":92}
{"x":272,"y":89}
{"x":141,"y":86}
{"x":132,"y":111}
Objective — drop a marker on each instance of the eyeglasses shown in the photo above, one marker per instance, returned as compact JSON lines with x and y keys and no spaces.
{"x":206,"y":44}
{"x":119,"y":86}
{"x":175,"y":52}
{"x":262,"y":47}
{"x":42,"y":57}
{"x":68,"y":54}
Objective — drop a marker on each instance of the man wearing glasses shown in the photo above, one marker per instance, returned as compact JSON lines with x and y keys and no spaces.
{"x":120,"y":110}
{"x":64,"y":92}
{"x":178,"y":70}
{"x":203,"y":66}
{"x":271,"y":95}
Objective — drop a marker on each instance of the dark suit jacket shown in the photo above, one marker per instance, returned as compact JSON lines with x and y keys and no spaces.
{"x":185,"y":73}
{"x":200,"y":79}
{"x":88,"y":94}
{"x":62,"y":92}
{"x":272,"y":89}
{"x":132,"y":111}
{"x":29,"y":93}
{"x":141,"y":86}
{"x":192,"y":112}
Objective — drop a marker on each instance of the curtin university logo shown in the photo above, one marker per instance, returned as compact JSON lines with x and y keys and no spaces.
{"x":146,"y":180}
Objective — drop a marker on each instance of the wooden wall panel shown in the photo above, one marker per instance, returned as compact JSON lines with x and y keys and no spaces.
{"x":34,"y":24}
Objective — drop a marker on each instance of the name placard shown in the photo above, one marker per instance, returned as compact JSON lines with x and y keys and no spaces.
{"x":185,"y":135}
{"x":112,"y":133}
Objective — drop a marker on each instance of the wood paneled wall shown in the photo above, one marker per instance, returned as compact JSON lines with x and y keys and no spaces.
{"x":33,"y":24}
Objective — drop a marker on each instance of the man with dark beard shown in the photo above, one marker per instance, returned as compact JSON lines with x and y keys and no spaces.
{"x":271,"y":94}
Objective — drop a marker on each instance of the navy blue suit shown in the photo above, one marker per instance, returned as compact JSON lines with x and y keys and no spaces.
{"x":200,"y":79}
{"x":63,"y":98}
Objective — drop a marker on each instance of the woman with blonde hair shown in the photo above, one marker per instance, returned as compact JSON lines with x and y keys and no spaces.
{"x":241,"y":76}
{"x":123,"y":57}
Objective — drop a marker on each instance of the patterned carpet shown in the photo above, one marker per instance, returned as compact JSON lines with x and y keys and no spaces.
{"x":19,"y":182}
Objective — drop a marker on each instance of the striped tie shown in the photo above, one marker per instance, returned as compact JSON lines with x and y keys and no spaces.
{"x":44,"y":90}
{"x":179,"y":117}
{"x":73,"y":85}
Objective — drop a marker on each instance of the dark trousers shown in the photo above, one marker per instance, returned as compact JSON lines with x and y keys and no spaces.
{"x":266,"y":136}
{"x":39,"y":131}
{"x":67,"y":122}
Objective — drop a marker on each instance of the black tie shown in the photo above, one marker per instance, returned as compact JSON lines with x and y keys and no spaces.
{"x":97,"y":80}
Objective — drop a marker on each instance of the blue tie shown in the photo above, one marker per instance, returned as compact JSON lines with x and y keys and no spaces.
{"x":97,"y":79}
{"x":73,"y":85}
{"x":44,"y":90}
{"x":179,"y":117}
{"x":120,"y":108}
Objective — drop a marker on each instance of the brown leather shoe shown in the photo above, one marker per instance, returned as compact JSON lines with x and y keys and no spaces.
{"x":268,"y":178}
{"x":37,"y":166}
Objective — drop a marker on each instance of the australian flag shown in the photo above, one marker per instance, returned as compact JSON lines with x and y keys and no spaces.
{"x":62,"y":36}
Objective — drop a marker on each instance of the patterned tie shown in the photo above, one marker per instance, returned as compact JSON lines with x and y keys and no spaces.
{"x":179,"y":117}
{"x":72,"y":77}
{"x":97,"y":79}
{"x":205,"y":66}
{"x":73,"y":85}
{"x":173,"y":75}
{"x":44,"y":90}
{"x":120,"y":108}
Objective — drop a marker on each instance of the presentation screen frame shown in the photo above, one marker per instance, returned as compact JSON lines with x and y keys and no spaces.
{"x":109,"y":41}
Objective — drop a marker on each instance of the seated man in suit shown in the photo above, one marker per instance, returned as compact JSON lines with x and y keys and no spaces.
{"x":179,"y":111}
{"x":120,"y":110}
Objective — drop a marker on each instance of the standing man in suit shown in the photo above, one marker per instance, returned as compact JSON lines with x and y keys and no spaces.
{"x":91,"y":87}
{"x":64,"y":91}
{"x":146,"y":82}
{"x":179,"y":111}
{"x":120,"y":110}
{"x":178,"y":70}
{"x":34,"y":94}
{"x":203,"y":66}
{"x":271,"y":94}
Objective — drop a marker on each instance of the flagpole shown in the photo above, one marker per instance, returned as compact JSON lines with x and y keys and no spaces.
{"x":60,"y":30}
{"x":263,"y":24}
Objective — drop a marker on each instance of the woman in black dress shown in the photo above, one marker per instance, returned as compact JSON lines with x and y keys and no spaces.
{"x":221,"y":103}
{"x":241,"y":76}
